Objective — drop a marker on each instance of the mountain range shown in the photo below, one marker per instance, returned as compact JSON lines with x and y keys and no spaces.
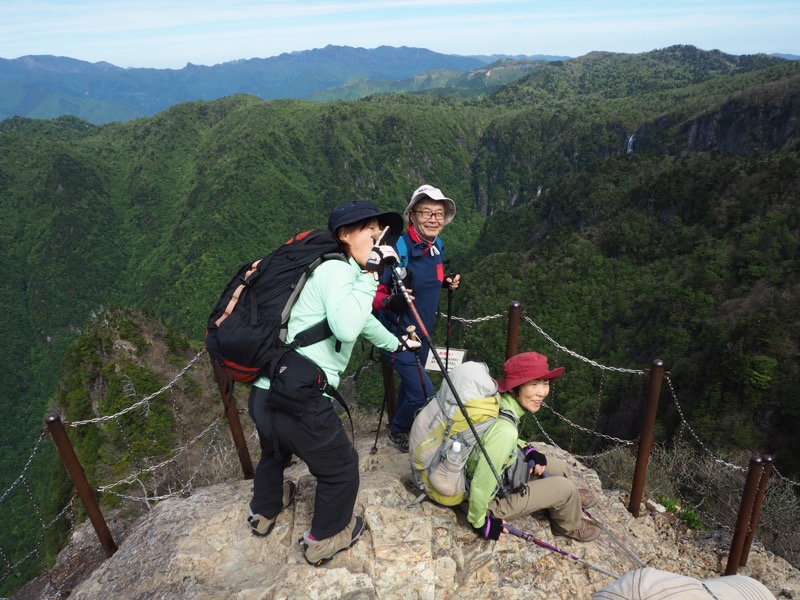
{"x":46,"y":87}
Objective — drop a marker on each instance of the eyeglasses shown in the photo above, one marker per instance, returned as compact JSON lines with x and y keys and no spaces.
{"x":427,"y":214}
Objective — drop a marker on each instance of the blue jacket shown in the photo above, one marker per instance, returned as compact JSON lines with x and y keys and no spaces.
{"x":425,"y":278}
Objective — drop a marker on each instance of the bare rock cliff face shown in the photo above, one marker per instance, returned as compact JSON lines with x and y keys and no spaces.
{"x":201,"y":547}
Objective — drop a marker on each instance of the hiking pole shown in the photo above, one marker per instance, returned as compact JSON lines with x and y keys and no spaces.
{"x":527,"y":536}
{"x":631,"y":554}
{"x":449,"y":322}
{"x":374,"y":448}
{"x":411,"y":331}
{"x":399,"y":281}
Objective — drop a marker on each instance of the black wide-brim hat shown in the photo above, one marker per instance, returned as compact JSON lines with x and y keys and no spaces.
{"x":362,"y":210}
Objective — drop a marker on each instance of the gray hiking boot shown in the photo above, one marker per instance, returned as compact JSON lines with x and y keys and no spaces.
{"x":261,"y":525}
{"x":589,"y":498}
{"x":400,"y":440}
{"x":319,"y":552}
{"x":586,"y":532}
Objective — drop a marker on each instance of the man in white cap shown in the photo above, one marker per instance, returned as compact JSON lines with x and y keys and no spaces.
{"x":421,"y":255}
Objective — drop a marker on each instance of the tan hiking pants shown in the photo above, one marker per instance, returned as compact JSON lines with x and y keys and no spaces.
{"x":556,"y":494}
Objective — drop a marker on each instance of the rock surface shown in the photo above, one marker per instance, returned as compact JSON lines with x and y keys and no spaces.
{"x":201,"y":547}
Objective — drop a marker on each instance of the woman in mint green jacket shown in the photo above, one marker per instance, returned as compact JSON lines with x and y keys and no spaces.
{"x":526,"y":384}
{"x":304,"y":422}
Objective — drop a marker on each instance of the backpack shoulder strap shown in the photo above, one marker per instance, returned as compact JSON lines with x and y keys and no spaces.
{"x":508,"y":416}
{"x":322,"y":330}
{"x":402,"y":250}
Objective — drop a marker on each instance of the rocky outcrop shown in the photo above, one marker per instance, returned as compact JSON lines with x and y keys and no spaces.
{"x":201,"y":547}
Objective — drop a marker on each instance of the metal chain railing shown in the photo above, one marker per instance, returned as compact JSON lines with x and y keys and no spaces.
{"x":685,"y":423}
{"x":578,"y":356}
{"x":178,"y":452}
{"x":477,"y":320}
{"x":27,"y":466}
{"x":611,"y":438}
{"x":35,"y":551}
{"x":144,"y":402}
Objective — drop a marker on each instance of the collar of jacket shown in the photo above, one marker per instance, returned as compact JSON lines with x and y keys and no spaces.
{"x":415,"y":237}
{"x":507,"y":400}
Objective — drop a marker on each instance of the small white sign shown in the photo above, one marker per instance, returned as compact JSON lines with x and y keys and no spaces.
{"x":456,"y":358}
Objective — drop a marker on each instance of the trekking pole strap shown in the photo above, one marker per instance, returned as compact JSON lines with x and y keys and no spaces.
{"x":502,"y":492}
{"x":331,"y":391}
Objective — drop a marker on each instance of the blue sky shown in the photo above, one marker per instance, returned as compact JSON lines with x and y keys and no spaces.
{"x":170,"y":33}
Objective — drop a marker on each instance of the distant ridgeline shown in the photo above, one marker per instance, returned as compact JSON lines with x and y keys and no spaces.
{"x":681,"y":246}
{"x":46,"y":87}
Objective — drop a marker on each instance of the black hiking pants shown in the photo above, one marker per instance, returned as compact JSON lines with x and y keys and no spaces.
{"x":318,"y":438}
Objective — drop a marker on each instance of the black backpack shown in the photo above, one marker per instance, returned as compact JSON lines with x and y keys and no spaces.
{"x":246,"y":331}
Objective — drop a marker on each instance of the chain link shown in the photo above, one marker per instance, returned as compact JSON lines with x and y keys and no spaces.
{"x":478,"y":320}
{"x":544,"y":433}
{"x":185,"y":487}
{"x":586,"y":430}
{"x":694,"y":435}
{"x":178,"y":451}
{"x":13,"y":567}
{"x":783,"y":478}
{"x":141,"y":402}
{"x":578,"y":356}
{"x":600,"y":454}
{"x":25,"y":468}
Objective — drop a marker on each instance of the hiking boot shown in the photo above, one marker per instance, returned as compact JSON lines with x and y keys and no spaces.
{"x":400,"y":440}
{"x":261,"y":525}
{"x":318,"y":552}
{"x":589,"y":498}
{"x":586,"y":532}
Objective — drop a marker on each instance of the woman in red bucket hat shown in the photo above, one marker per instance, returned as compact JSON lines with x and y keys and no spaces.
{"x":525,"y":384}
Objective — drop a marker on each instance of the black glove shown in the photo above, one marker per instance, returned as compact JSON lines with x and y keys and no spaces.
{"x":534,"y":457}
{"x":396,"y":303}
{"x":491,"y":529}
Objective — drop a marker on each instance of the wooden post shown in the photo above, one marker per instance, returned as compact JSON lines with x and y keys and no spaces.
{"x":80,"y":482}
{"x":759,"y":502}
{"x":512,"y":334}
{"x":646,"y":437}
{"x":225,"y":385}
{"x":744,"y":519}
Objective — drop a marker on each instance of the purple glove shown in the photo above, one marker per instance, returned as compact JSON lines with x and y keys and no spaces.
{"x":534,"y":457}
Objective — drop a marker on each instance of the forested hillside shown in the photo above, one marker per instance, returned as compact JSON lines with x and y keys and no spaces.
{"x":640,"y":206}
